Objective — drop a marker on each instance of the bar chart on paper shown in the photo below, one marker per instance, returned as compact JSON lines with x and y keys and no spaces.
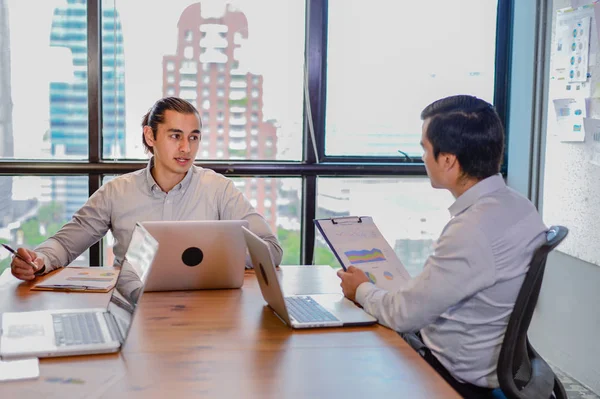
{"x":356,"y":241}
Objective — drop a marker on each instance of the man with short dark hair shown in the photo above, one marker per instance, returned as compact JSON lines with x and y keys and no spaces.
{"x":456,"y":311}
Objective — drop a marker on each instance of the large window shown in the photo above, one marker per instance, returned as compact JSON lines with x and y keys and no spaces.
{"x":35,"y":208}
{"x":409,"y":213}
{"x":240,"y":61}
{"x":387,"y":60}
{"x":304,"y":103}
{"x":43,"y":79}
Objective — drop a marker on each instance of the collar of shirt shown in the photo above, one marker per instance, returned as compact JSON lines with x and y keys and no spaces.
{"x":153,"y":186}
{"x":469,"y":197}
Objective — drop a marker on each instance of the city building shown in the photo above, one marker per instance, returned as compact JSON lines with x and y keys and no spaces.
{"x":68,"y":97}
{"x":206,"y":70}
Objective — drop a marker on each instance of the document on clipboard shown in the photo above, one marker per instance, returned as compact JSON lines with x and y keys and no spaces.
{"x":82,"y":279}
{"x":356,"y":241}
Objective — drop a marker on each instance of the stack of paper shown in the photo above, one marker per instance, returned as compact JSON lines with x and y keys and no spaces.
{"x":85,"y":279}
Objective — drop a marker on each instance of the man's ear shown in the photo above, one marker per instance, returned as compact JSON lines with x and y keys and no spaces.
{"x":149,"y":136}
{"x":449,"y":161}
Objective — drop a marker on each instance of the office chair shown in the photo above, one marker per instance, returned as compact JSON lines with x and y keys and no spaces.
{"x":522,"y":372}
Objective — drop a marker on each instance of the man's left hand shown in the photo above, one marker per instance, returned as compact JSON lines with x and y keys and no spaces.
{"x":351,"y":279}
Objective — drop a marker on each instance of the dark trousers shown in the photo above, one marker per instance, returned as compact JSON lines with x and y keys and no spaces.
{"x":466,"y":390}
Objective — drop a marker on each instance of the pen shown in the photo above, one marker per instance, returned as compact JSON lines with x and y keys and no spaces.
{"x":67,"y":287}
{"x":15,"y":253}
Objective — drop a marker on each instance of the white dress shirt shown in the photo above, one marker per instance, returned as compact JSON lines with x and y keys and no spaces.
{"x":202,"y":195}
{"x":462,"y":300}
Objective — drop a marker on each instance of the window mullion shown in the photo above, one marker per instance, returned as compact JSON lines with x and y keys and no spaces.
{"x":94,"y":78}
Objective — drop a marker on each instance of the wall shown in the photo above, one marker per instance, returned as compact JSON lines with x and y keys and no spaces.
{"x":565,"y":325}
{"x":571,"y":194}
{"x":564,"y":328}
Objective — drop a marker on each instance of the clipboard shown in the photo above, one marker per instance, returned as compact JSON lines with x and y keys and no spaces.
{"x":80,"y":279}
{"x":356,"y":241}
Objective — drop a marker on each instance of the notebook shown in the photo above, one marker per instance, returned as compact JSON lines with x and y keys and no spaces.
{"x":80,"y":279}
{"x":301,"y":311}
{"x":193,"y":255}
{"x":70,"y":332}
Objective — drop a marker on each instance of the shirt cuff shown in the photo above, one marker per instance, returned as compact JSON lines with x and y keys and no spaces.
{"x":362,"y":291}
{"x":47,"y":265}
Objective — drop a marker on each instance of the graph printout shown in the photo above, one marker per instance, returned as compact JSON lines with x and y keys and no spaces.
{"x":356,"y":241}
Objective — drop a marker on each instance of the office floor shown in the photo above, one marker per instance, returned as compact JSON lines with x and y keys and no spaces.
{"x":574,"y":389}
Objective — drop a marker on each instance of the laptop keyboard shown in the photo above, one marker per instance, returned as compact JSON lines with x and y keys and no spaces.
{"x":77,"y":329}
{"x":305,"y":310}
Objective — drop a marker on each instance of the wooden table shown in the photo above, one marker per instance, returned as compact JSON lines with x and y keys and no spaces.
{"x":227,"y":344}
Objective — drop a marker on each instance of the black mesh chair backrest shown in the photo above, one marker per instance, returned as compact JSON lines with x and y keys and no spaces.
{"x":522,"y":373}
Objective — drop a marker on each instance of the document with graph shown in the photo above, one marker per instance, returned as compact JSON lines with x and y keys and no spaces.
{"x":80,"y":279}
{"x":356,"y":241}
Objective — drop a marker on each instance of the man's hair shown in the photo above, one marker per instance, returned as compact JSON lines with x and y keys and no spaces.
{"x":468,"y":128}
{"x":156,"y":115}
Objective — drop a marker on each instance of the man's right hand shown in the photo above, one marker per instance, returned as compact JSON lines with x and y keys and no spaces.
{"x":21,"y":269}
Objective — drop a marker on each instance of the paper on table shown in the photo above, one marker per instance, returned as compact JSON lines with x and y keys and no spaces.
{"x":22,"y":369}
{"x":64,"y":381}
{"x":98,"y":279}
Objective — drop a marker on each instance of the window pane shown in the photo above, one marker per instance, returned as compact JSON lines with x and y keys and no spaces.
{"x":226,"y":58}
{"x":408,"y":211}
{"x":35,"y":207}
{"x":277,"y":199}
{"x":385,"y":65}
{"x":43,"y":79}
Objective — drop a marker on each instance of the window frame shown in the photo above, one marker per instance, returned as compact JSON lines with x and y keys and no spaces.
{"x":309,"y":168}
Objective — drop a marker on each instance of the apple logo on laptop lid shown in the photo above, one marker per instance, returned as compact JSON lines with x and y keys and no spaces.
{"x":192,"y":256}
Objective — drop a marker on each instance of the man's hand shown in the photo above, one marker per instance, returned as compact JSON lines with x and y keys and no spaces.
{"x":21,"y":269}
{"x":351,"y":279}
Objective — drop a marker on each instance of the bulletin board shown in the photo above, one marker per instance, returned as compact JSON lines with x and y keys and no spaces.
{"x":571,"y":177}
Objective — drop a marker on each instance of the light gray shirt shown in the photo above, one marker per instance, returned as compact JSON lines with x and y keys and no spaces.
{"x":462,"y":300}
{"x":133,"y":197}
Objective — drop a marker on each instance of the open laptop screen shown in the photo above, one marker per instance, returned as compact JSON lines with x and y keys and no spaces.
{"x":130,"y":284}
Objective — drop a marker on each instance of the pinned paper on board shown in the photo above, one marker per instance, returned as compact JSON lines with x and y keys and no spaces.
{"x":592,"y":139}
{"x":569,"y":116}
{"x":580,"y":3}
{"x":579,"y":46}
{"x":572,"y":47}
{"x":596,"y":90}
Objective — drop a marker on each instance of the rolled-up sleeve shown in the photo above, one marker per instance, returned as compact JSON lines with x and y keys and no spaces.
{"x":462,"y":264}
{"x":88,"y":225}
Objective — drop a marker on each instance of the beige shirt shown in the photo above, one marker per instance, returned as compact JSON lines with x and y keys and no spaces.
{"x":462,"y":300}
{"x":133,"y":197}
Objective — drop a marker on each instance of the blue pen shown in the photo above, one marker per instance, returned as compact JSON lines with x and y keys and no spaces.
{"x":15,"y":253}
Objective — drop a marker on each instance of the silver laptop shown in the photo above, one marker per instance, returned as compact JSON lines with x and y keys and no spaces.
{"x":301,"y":311}
{"x":71,"y":332}
{"x":193,"y":255}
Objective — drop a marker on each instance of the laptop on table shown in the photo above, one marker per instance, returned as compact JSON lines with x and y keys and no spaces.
{"x":301,"y":311}
{"x":199,"y":254}
{"x":69,"y":332}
